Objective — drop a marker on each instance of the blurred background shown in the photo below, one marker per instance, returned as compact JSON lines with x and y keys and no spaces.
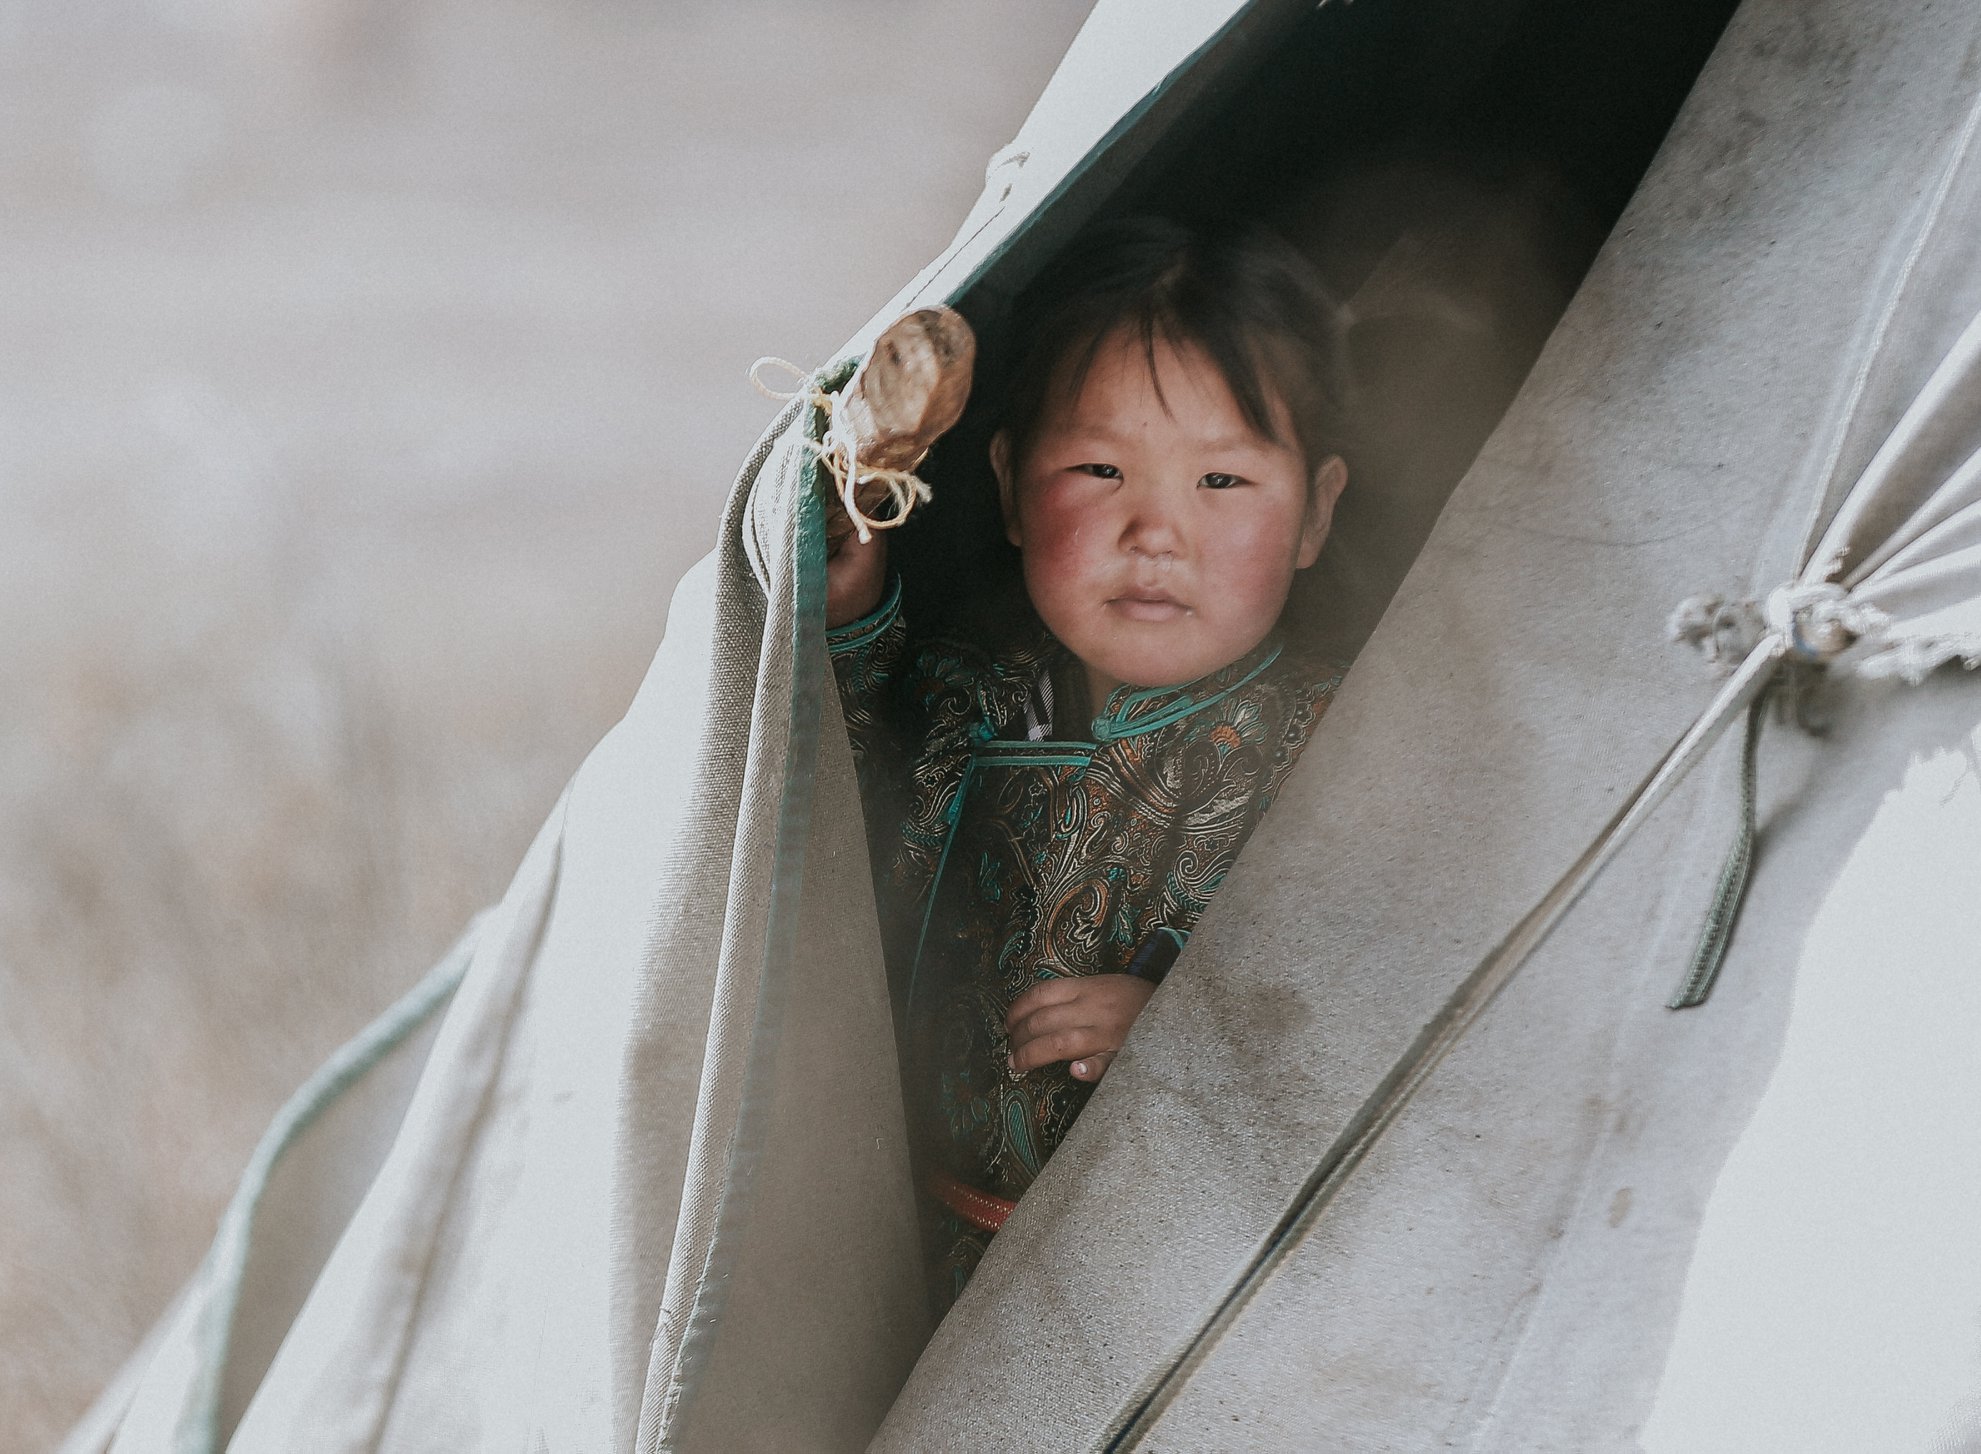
{"x":369,"y":372}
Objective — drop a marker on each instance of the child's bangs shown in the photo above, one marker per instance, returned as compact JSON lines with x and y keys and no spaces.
{"x":1243,"y":362}
{"x":1249,"y":305}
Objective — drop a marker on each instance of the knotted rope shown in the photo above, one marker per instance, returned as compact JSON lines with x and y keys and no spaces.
{"x":1724,"y":631}
{"x":839,"y":451}
{"x":1817,"y":623}
{"x":1812,"y":625}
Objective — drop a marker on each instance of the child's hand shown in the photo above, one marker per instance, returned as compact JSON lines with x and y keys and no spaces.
{"x":854,"y":574}
{"x":1082,"y":1018}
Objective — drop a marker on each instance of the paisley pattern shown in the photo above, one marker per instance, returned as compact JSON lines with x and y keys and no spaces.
{"x":1003,"y":861}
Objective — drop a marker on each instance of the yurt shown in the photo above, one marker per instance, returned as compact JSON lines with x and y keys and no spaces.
{"x":1580,"y":1057}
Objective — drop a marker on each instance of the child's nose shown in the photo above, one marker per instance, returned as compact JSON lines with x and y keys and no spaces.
{"x":1152,"y":528}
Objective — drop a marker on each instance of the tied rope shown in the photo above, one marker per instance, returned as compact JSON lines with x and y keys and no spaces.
{"x":839,"y":451}
{"x":1815,"y":623}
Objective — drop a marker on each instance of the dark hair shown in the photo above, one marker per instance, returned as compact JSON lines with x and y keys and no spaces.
{"x":1247,"y":299}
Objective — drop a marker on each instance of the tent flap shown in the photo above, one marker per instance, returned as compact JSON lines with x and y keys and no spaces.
{"x":1681,"y":428}
{"x":650,"y":1187}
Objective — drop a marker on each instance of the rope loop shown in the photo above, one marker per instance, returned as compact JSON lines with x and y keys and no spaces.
{"x":839,"y":452}
{"x":1816,"y":623}
{"x":1724,"y":630}
{"x":1820,"y":621}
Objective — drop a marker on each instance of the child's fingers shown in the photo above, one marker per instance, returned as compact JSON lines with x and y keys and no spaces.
{"x":1060,"y":1045}
{"x":1102,"y":998}
{"x":1092,"y":1067}
{"x":1073,"y":1019}
{"x":1045,"y":992}
{"x":1065,"y":1015}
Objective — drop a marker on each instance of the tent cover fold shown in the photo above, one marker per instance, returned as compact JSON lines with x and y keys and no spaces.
{"x":1408,"y":1151}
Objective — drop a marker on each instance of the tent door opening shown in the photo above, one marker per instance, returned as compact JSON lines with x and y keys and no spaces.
{"x":1451,"y":167}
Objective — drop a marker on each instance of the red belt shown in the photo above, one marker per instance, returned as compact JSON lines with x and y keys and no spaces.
{"x":979,"y":1208}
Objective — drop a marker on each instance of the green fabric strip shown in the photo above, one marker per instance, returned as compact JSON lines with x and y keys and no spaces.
{"x":1093,"y":162}
{"x":227,"y":1260}
{"x":989,"y":753}
{"x":737,"y":1197}
{"x":1034,"y":754}
{"x":855,"y":634}
{"x":1731,"y":891}
{"x":935,"y":884}
{"x":1121,"y":722}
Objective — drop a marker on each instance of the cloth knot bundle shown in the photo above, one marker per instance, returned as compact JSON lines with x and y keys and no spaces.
{"x":1913,"y":601}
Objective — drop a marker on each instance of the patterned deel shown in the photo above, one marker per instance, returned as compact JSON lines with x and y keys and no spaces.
{"x":1002,"y":861}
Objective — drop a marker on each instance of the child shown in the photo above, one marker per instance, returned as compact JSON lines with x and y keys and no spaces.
{"x":1057,"y":810}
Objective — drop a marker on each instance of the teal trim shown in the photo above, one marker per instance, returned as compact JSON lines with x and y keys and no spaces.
{"x":794,"y":819}
{"x":935,"y":884}
{"x":855,"y":634}
{"x":1006,"y":753}
{"x":989,"y":752}
{"x":226,"y":1264}
{"x":1730,"y":892}
{"x":1112,"y":726}
{"x":1017,"y":1126}
{"x":1129,"y":121}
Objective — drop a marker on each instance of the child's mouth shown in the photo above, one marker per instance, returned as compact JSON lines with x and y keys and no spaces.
{"x":1149,"y":606}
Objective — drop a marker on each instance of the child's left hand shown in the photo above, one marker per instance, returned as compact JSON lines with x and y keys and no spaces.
{"x":1081,"y":1018}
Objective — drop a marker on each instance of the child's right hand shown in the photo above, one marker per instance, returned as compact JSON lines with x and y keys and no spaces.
{"x":854,"y":575}
{"x":1080,"y":1018}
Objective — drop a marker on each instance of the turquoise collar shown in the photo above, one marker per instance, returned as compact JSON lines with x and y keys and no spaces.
{"x":1131,"y":711}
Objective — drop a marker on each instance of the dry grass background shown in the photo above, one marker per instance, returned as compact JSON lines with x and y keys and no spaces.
{"x":370,"y":372}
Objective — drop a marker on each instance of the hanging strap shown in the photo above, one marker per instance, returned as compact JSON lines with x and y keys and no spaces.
{"x":1443,"y":1031}
{"x":1731,"y":891}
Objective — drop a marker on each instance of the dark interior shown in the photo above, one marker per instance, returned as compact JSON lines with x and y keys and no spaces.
{"x":1451,"y":167}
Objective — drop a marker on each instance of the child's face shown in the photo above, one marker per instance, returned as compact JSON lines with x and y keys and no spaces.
{"x":1159,"y":542}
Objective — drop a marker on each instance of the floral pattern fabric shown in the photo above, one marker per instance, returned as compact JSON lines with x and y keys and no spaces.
{"x":1002,"y":861}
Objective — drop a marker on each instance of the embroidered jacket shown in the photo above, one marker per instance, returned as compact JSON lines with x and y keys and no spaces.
{"x":1009,"y":850}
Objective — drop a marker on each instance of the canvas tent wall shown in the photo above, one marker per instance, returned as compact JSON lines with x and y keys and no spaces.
{"x":651,"y":1188}
{"x":1514,"y":1265}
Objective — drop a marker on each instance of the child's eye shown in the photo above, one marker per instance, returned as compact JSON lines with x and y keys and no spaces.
{"x":1219,"y":481}
{"x":1098,"y":471}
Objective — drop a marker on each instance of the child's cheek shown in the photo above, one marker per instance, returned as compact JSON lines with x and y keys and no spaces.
{"x":1062,"y":531}
{"x":1253,"y":561}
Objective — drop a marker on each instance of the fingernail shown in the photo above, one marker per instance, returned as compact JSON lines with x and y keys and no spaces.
{"x":1079,"y":1067}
